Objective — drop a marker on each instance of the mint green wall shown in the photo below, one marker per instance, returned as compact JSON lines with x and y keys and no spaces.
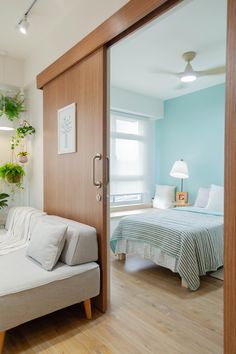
{"x":193,"y":129}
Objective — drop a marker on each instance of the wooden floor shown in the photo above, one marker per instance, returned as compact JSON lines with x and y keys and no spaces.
{"x":150,"y":313}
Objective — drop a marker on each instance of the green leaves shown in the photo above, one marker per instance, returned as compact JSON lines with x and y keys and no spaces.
{"x":11,"y":169}
{"x":22,"y":153}
{"x":12,"y":106}
{"x":3,"y":200}
{"x":12,"y":173}
{"x":21,"y":133}
{"x":27,"y":129}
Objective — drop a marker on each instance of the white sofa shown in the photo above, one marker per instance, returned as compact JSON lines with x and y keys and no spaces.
{"x":28,"y":291}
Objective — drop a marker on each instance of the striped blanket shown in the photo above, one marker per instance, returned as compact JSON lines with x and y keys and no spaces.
{"x":193,"y":238}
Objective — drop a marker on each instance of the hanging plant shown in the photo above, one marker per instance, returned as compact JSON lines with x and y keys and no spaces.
{"x":12,"y":173}
{"x":21,"y":132}
{"x":22,"y":156}
{"x":12,"y":106}
{"x":25,"y":129}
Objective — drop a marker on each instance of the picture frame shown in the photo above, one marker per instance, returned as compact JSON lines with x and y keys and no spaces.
{"x":181,"y":197}
{"x":66,"y":121}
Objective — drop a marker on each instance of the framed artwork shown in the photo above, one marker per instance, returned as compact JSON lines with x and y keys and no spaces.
{"x":181,"y":197}
{"x":66,"y":121}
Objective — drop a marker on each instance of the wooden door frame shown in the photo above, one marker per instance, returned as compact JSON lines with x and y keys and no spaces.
{"x":131,"y":17}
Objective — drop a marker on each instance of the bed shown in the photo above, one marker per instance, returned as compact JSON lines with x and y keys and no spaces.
{"x":186,"y":240}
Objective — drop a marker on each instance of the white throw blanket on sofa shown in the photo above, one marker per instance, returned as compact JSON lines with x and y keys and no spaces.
{"x":18,"y":233}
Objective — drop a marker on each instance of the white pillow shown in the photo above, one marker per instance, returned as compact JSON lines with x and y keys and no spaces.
{"x":164,"y":197}
{"x":202,"y":197}
{"x":216,"y":198}
{"x":46,"y":243}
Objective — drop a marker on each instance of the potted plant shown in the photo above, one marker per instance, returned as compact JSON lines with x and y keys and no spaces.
{"x":12,"y":106}
{"x":21,"y":132}
{"x":24,"y":130}
{"x":3,"y":200}
{"x":22,"y":156}
{"x":12,"y":173}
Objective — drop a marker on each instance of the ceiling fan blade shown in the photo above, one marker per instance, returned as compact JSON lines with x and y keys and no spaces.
{"x":161,"y":72}
{"x":214,"y":71}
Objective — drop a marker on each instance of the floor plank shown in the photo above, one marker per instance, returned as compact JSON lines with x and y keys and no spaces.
{"x":150,"y":313}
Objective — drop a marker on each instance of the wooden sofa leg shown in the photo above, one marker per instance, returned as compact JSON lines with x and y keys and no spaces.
{"x":87,"y":309}
{"x":121,"y":256}
{"x":184,"y":284}
{"x":2,"y":337}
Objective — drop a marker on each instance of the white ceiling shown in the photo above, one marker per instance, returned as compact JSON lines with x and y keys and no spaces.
{"x":198,"y":25}
{"x":45,"y":16}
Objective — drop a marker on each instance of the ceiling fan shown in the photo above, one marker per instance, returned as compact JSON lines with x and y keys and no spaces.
{"x":189,"y":74}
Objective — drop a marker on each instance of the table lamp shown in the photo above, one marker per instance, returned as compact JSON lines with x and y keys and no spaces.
{"x":180,"y":170}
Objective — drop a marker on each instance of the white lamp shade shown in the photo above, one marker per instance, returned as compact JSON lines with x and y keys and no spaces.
{"x":6,"y":124}
{"x":179,"y":170}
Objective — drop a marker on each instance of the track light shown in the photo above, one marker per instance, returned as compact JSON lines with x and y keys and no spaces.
{"x":23,"y":24}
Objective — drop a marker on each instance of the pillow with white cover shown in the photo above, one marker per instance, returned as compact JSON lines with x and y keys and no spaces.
{"x":216,"y":198}
{"x":202,"y":197}
{"x":164,"y":197}
{"x":46,"y":243}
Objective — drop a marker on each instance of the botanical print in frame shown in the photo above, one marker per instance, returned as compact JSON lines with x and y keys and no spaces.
{"x":66,"y":129}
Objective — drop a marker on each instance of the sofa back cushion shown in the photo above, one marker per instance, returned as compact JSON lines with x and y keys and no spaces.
{"x":80,"y":244}
{"x":46,"y":243}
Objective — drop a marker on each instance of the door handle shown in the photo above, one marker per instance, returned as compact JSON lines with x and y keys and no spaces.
{"x":96,"y":183}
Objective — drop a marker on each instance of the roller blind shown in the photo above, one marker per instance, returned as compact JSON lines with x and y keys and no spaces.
{"x":131,"y":159}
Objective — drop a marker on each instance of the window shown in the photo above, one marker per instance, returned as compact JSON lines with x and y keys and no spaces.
{"x":131,"y":170}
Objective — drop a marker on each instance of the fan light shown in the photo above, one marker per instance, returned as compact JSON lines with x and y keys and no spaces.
{"x":189,"y":74}
{"x":188,"y":78}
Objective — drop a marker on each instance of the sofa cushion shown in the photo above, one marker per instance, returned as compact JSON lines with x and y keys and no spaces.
{"x":46,"y":243}
{"x":81,"y":242}
{"x":18,"y":273}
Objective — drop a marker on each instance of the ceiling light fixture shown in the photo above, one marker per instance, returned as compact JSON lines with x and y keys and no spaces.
{"x":23,"y":24}
{"x":189,"y":74}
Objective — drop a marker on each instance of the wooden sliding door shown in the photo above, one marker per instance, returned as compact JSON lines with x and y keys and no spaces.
{"x":76,"y":77}
{"x":70,"y":179}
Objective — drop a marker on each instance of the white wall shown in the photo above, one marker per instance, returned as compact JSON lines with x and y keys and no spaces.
{"x":76,"y":25}
{"x":87,"y":16}
{"x":132,"y":102}
{"x":11,"y":71}
{"x":34,"y":103}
